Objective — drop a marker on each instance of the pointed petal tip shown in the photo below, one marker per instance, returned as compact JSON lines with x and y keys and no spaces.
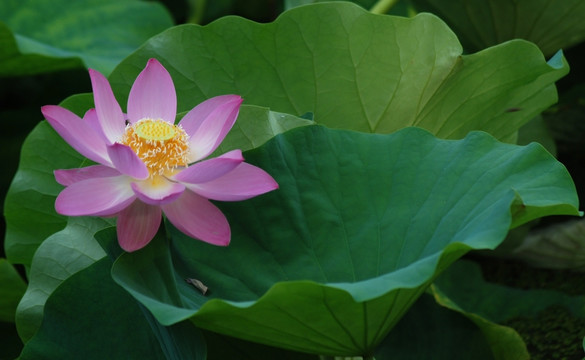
{"x":50,"y":111}
{"x":154,"y":65}
{"x":153,"y":61}
{"x":128,"y":244}
{"x":60,"y":178}
{"x":223,"y":242}
{"x":46,"y":108}
{"x":232,"y":100}
{"x":93,"y":74}
{"x":110,"y":115}
{"x":198,"y":218}
{"x":214,"y":238}
{"x":131,"y":246}
{"x":137,"y":225}
{"x":244,"y":182}
{"x":95,"y":197}
{"x":235,"y":98}
{"x":275,"y":185}
{"x":209,"y":126}
{"x":153,"y":94}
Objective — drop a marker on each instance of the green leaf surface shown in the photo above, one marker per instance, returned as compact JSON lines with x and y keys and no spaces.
{"x":46,"y":35}
{"x":463,"y":286}
{"x":13,"y":62}
{"x":356,"y":70}
{"x":90,"y":317}
{"x":430,"y":331}
{"x":12,"y":288}
{"x":29,"y":207}
{"x":57,"y":258}
{"x":360,"y":225}
{"x":289,"y":4}
{"x":550,"y":24}
{"x":505,"y":343}
{"x":221,"y":347}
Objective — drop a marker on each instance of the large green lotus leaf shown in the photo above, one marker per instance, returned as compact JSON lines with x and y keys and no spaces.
{"x":46,"y":35}
{"x":505,"y":342}
{"x":57,"y":258}
{"x":360,"y":225}
{"x":13,"y":62}
{"x":12,"y":288}
{"x":29,"y":207}
{"x":221,"y":347}
{"x":356,"y":70}
{"x":463,"y":287}
{"x":550,"y":24}
{"x":90,"y":317}
{"x":430,"y":331}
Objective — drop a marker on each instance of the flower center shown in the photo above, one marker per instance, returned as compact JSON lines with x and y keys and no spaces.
{"x":155,"y":130}
{"x":163,"y":147}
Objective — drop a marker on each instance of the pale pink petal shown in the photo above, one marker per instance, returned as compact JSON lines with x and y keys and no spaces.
{"x":244,"y":182}
{"x":137,"y":224}
{"x":198,"y":218}
{"x":91,"y":119}
{"x":127,"y":162}
{"x":207,"y":127}
{"x":97,"y":196}
{"x":67,"y":177}
{"x":157,"y":190}
{"x":208,"y":170}
{"x":194,"y":118}
{"x":108,"y":110}
{"x":77,"y":133}
{"x":153,"y":95}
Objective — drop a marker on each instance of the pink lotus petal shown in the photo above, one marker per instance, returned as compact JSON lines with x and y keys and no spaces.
{"x":211,"y":169}
{"x":137,"y":225}
{"x":194,"y":118}
{"x":153,"y":95}
{"x":127,"y":162}
{"x":108,"y":110}
{"x":91,"y":119}
{"x":71,"y":176}
{"x":198,"y":218}
{"x":208,"y":126}
{"x":77,"y":133}
{"x":244,"y":182}
{"x":97,"y":197}
{"x":158,"y":190}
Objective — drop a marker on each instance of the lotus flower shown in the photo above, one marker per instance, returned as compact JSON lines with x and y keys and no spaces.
{"x":147,"y":165}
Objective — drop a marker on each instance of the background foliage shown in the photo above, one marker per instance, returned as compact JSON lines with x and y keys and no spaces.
{"x":46,"y":46}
